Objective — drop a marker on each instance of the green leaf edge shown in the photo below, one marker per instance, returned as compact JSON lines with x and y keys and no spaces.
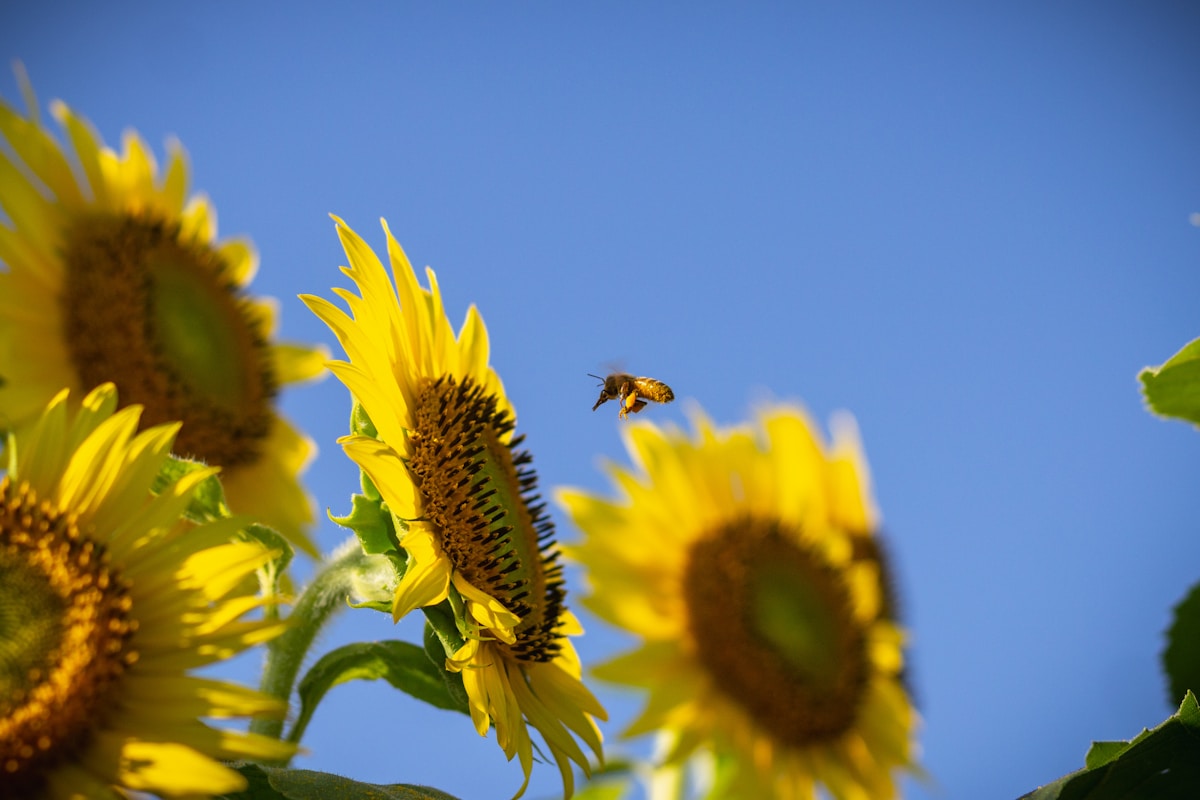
{"x":1181,"y":655}
{"x":285,"y":783}
{"x":1102,"y":756}
{"x":1173,"y":388}
{"x":397,"y":662}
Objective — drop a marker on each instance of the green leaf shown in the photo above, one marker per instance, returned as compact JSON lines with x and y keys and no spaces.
{"x":1100,"y":753}
{"x":402,"y":664}
{"x":1181,"y":658}
{"x":1173,"y":389}
{"x":278,"y":783}
{"x":208,"y":500}
{"x":1163,"y":763}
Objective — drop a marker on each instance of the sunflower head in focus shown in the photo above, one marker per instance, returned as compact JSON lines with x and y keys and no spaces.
{"x":444,"y":459}
{"x":110,"y":273}
{"x":746,"y":562}
{"x":108,"y":601}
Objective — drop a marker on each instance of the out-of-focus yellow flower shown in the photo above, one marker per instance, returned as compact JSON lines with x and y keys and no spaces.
{"x":118,"y":277}
{"x":108,"y":602}
{"x":746,"y":561}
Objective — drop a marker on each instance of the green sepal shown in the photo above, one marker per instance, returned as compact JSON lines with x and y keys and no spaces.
{"x":368,"y":486}
{"x":402,"y":664}
{"x":436,"y":653}
{"x":1181,"y":657}
{"x":1173,"y":389}
{"x":278,"y":783}
{"x":360,"y":422}
{"x":1163,"y":763}
{"x":373,"y":605}
{"x":208,"y":499}
{"x":444,"y":625}
{"x":372,"y":524}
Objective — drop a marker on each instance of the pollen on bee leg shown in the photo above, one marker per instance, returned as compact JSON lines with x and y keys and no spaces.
{"x":632,"y":405}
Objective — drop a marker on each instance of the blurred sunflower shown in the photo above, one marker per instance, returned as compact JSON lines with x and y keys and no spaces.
{"x":118,"y":277}
{"x":752,"y":574}
{"x":445,"y":461}
{"x":107,"y":602}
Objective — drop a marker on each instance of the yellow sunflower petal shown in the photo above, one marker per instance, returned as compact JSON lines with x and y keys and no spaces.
{"x":387,"y":471}
{"x":241,"y":261}
{"x":175,"y":179}
{"x":41,"y":154}
{"x":850,"y":480}
{"x":473,"y":344}
{"x":136,"y":175}
{"x":489,"y":612}
{"x":24,"y":204}
{"x":87,"y":149}
{"x":293,"y":363}
{"x":427,"y":580}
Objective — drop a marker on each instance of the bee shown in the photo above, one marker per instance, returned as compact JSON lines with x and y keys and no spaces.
{"x":632,"y":392}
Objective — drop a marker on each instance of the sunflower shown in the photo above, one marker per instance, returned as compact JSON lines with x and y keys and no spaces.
{"x":746,"y":562}
{"x":446,"y":462}
{"x":118,"y":277}
{"x":107,"y":602}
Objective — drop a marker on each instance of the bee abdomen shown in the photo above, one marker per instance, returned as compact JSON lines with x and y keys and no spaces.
{"x":654,"y":390}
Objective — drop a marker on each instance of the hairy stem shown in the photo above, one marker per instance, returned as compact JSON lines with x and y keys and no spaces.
{"x":317,"y":605}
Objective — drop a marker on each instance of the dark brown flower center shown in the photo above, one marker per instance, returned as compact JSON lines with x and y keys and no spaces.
{"x":65,"y":638}
{"x":480,"y":494}
{"x":159,"y":317}
{"x":773,"y":624}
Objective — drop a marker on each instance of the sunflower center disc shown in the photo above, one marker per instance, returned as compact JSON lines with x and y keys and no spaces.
{"x":774,"y":626}
{"x":159,"y":317}
{"x":65,"y":632}
{"x":480,"y":496}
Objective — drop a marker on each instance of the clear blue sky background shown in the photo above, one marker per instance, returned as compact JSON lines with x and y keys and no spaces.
{"x":966,"y":225}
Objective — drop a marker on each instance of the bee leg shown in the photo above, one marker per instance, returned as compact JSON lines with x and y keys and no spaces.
{"x":630,"y":402}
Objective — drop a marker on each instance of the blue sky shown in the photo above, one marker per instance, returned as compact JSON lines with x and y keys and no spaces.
{"x":967,"y":225}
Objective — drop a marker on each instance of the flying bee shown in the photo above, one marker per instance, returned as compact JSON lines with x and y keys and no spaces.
{"x":632,"y":392}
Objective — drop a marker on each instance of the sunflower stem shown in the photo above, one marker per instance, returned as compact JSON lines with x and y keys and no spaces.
{"x":317,"y":604}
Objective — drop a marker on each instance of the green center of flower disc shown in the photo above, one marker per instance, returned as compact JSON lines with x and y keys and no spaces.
{"x":65,"y":631}
{"x":159,"y":317}
{"x":773,"y":624}
{"x":480,"y":493}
